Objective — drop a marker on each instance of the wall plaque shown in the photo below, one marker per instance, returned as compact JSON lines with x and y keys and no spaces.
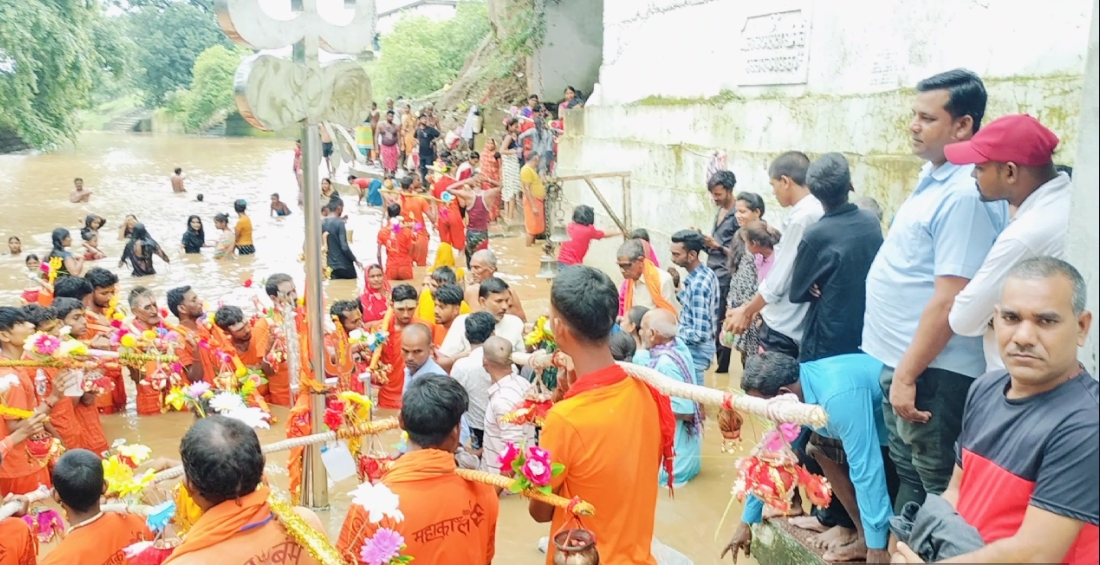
{"x":774,"y":49}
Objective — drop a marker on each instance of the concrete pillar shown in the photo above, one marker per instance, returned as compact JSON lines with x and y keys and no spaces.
{"x":1084,"y":228}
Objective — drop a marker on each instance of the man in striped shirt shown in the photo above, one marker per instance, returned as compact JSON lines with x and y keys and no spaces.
{"x":505,"y":393}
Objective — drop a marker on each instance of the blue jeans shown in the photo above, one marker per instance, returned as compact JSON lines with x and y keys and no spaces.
{"x":701,"y":354}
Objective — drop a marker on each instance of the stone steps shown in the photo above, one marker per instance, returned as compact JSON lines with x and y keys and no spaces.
{"x":775,"y":542}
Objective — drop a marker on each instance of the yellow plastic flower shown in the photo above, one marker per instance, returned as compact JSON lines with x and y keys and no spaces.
{"x":135,"y":452}
{"x":241,"y":371}
{"x":127,"y":340}
{"x":358,"y":403}
{"x":248,"y":387}
{"x":117,"y":474}
{"x":176,"y":399}
{"x":149,"y":335}
{"x":119,"y":316}
{"x":71,"y":347}
{"x":301,"y":301}
{"x":138,"y":484}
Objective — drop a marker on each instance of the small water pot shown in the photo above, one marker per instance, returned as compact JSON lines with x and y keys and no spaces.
{"x":576,"y":547}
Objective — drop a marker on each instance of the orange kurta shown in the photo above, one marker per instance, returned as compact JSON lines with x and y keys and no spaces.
{"x":101,"y":541}
{"x":243,"y":531}
{"x":92,"y":436}
{"x":18,"y":546}
{"x":399,"y":257}
{"x":415,"y":209}
{"x":448,"y":520}
{"x":277,"y":389}
{"x":205,"y":357}
{"x":63,"y":416}
{"x":113,"y":400}
{"x":609,"y":440}
{"x":389,"y":394}
{"x":20,"y":472}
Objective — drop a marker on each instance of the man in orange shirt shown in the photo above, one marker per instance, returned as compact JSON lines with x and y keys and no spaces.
{"x":94,"y":537}
{"x":97,"y":305}
{"x":417,"y":209}
{"x":146,"y":316}
{"x":24,"y":468}
{"x":404,"y":307}
{"x":340,"y":353}
{"x":198,"y":363}
{"x":72,"y":314}
{"x":251,"y":342}
{"x":448,"y":520}
{"x":448,"y":305}
{"x":401,"y":244}
{"x":18,"y":545}
{"x":63,"y":423}
{"x":610,"y":431}
{"x":223,"y":467}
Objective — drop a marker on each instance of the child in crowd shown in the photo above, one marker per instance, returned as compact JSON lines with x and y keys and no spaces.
{"x":631,"y":323}
{"x":278,"y":207}
{"x":581,"y":233}
{"x":91,"y":245}
{"x":223,"y":249}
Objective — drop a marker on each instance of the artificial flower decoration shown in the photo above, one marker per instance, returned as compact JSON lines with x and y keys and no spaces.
{"x":533,"y":468}
{"x":774,"y":476}
{"x":775,"y":440}
{"x":379,"y":501}
{"x":224,"y":402}
{"x":133,"y":454}
{"x":198,"y":390}
{"x":252,"y":416}
{"x":541,"y":335}
{"x":160,"y":515}
{"x":384,"y":548}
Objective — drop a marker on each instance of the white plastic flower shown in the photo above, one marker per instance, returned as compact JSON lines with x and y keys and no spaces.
{"x":252,"y":417}
{"x":7,"y":381}
{"x":379,"y":501}
{"x":355,"y":335}
{"x":224,"y":402}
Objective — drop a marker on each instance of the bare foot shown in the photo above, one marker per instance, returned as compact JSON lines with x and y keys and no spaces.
{"x":810,"y":523}
{"x":771,"y":512}
{"x":854,"y":551}
{"x":833,"y":538}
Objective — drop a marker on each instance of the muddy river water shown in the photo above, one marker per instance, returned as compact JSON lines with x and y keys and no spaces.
{"x":129,"y":174}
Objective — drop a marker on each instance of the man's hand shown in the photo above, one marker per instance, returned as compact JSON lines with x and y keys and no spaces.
{"x":741,"y":541}
{"x":101,"y":341}
{"x":878,"y":556}
{"x":359,"y":264}
{"x":20,"y":499}
{"x":904,"y":555}
{"x":160,"y":464}
{"x":903,"y":397}
{"x":736,"y":321}
{"x":709,"y":242}
{"x":61,"y":382}
{"x":815,"y":291}
{"x":34,"y":426}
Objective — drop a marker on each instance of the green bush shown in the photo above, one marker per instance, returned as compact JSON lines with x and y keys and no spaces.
{"x":211,"y":93}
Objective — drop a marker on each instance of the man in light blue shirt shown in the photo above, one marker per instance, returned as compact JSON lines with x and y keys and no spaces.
{"x":851,"y":448}
{"x":416,"y":349}
{"x":936,"y":243}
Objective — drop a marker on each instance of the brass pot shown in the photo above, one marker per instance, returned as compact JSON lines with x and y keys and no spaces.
{"x":576,"y":547}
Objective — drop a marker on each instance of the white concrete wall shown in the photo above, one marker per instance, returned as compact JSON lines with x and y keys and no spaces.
{"x":1084,"y":229}
{"x":674,"y":87}
{"x":572,"y":50}
{"x":431,"y":11}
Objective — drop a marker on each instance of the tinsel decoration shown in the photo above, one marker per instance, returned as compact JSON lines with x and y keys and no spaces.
{"x":313,"y":541}
{"x":187,"y":512}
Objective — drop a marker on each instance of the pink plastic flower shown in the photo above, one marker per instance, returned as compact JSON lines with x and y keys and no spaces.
{"x":509,"y":455}
{"x":46,"y":344}
{"x":538,"y":472}
{"x":539,"y":454}
{"x":790,"y":431}
{"x":196,"y":390}
{"x":382,"y":548}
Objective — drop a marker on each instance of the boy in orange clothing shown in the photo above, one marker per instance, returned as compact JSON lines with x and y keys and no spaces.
{"x":223,"y":467}
{"x":97,"y":305}
{"x":94,"y":537}
{"x":448,"y":520}
{"x":198,"y":362}
{"x":24,"y":468}
{"x":610,"y":431}
{"x":63,"y":422}
{"x":251,"y":343}
{"x":72,"y":314}
{"x":417,"y":209}
{"x":401,"y":243}
{"x":404,"y":309}
{"x":18,"y":546}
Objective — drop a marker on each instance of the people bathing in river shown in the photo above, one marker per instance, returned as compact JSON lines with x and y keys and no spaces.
{"x":278,"y":207}
{"x":71,"y":265}
{"x":243,"y":229}
{"x":194,"y":239}
{"x":79,"y":195}
{"x":15,"y":246}
{"x":224,"y":247}
{"x":177,"y":181}
{"x":127,"y":227}
{"x":93,"y":222}
{"x":91,"y":246}
{"x":139,"y":252}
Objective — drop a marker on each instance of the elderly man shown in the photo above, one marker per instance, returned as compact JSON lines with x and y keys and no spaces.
{"x":493,"y":297}
{"x":663,"y":351}
{"x":1033,"y":499}
{"x":416,"y":351}
{"x":1013,"y":161}
{"x":223,"y":468}
{"x":644,"y":284}
{"x":483,"y":266}
{"x":505,"y":393}
{"x":851,"y":449}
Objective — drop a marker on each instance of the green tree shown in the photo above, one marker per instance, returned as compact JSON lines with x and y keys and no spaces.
{"x":211,"y":93}
{"x":48,"y":61}
{"x":170,"y":36}
{"x":422,"y":55}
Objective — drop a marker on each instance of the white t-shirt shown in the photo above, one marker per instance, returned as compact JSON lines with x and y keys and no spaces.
{"x":510,"y":328}
{"x":470,"y":373}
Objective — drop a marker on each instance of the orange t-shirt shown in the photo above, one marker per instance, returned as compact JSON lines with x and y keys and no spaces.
{"x":18,"y":463}
{"x":415,"y":208}
{"x":399,"y":260}
{"x":186,"y":353}
{"x":448,"y":520}
{"x":389,"y":395}
{"x":100,"y":542}
{"x":63,"y":415}
{"x":18,"y":546}
{"x":609,"y":440}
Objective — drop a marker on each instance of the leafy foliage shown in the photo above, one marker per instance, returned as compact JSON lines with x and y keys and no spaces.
{"x":422,"y":55}
{"x":171,"y":35}
{"x":48,"y":63}
{"x":211,"y":93}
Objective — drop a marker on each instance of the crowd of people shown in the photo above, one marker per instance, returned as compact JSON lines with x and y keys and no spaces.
{"x":961,"y":426}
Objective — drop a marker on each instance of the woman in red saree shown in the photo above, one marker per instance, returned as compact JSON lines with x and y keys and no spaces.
{"x":376,"y":292}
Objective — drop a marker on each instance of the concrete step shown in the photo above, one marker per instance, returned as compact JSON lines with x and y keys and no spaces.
{"x":776,"y":542}
{"x":129,"y":121}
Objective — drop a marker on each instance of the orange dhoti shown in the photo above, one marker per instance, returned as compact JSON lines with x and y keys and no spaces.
{"x":534,"y":215}
{"x":389,"y":393}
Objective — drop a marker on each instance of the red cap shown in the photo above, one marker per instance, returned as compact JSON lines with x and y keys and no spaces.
{"x":1018,"y":138}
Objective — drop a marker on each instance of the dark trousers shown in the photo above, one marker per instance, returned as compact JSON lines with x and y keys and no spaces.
{"x":722,"y":353}
{"x":924,"y":454}
{"x":344,"y":274}
{"x":771,"y":340}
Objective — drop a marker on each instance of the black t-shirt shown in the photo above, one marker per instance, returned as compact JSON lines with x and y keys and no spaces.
{"x":339,"y":253}
{"x":425,"y":136}
{"x":1041,"y":451}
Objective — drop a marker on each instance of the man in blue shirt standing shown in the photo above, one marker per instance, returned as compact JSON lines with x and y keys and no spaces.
{"x":937,"y":242}
{"x":851,"y":448}
{"x":698,"y":300}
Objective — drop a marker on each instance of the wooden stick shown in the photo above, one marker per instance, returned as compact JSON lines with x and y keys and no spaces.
{"x":590,"y":176}
{"x":417,"y":195}
{"x":606,"y":206}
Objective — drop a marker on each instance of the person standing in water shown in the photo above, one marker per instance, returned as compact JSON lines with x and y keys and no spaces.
{"x":139,"y":252}
{"x":177,"y":181}
{"x":243,"y":230}
{"x":278,"y":207}
{"x":194,"y":239}
{"x":79,"y":194}
{"x":224,"y":247}
{"x":71,"y":265}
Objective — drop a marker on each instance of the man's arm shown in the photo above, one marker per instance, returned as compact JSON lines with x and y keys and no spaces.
{"x":515,"y":307}
{"x":973,"y":306}
{"x":951,"y":495}
{"x":342,"y":240}
{"x":1043,"y":537}
{"x":810,"y":268}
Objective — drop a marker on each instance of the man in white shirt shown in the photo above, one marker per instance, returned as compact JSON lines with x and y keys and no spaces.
{"x":783,"y":319}
{"x":494,"y":297}
{"x":1013,"y":161}
{"x":507,"y":391}
{"x":468,"y":371}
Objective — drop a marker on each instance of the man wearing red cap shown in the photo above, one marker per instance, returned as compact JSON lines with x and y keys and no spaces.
{"x":1013,"y":161}
{"x":936,"y":244}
